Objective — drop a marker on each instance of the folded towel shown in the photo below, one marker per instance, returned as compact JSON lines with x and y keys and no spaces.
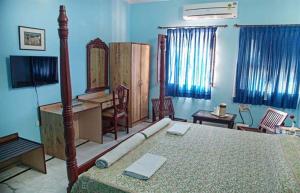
{"x":179,"y":128}
{"x":156,"y":127}
{"x":112,"y":156}
{"x":145,"y":167}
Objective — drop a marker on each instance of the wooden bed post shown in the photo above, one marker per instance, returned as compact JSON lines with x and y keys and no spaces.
{"x":162,"y":43}
{"x":66,"y":97}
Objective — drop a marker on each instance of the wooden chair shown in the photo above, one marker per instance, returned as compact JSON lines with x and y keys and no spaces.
{"x":268,"y":124}
{"x":118,"y":112}
{"x":167,"y":111}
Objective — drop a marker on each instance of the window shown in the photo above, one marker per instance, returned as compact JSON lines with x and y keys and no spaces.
{"x":190,"y":62}
{"x":268,"y":64}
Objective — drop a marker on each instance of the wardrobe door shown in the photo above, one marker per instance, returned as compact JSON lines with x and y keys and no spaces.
{"x":114,"y":73}
{"x":145,"y":72}
{"x":120,"y":64}
{"x":135,"y":83}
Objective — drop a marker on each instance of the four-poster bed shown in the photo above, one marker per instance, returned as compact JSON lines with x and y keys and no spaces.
{"x":208,"y":159}
{"x":162,"y":47}
{"x":73,"y":170}
{"x":66,"y":98}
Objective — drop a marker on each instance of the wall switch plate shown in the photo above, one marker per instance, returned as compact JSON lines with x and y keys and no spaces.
{"x":37,"y":123}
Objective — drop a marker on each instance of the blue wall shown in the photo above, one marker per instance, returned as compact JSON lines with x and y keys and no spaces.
{"x":120,"y":20}
{"x":87,"y":20}
{"x":144,"y":19}
{"x":117,"y":21}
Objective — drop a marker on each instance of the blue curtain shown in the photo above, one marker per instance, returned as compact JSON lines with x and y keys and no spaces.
{"x":190,"y":60}
{"x":268,"y":64}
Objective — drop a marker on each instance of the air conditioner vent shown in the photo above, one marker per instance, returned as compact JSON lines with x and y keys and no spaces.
{"x":219,"y":10}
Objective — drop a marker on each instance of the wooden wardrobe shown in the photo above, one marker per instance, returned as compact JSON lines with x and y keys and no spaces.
{"x":129,"y":65}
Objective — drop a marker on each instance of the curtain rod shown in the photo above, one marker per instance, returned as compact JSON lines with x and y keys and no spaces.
{"x":266,"y":25}
{"x":200,"y":26}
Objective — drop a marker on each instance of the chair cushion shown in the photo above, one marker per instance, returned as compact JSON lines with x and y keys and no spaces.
{"x":108,"y":112}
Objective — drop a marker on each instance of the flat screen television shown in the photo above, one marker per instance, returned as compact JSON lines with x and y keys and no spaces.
{"x":33,"y":70}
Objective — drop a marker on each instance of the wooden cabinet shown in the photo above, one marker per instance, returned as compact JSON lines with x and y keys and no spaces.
{"x":129,"y":65}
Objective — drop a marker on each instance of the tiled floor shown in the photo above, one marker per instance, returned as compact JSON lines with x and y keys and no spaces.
{"x":55,"y":181}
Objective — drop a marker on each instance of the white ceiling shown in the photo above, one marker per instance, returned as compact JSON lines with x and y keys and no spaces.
{"x":144,"y":1}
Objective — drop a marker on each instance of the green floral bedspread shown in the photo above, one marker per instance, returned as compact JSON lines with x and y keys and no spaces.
{"x":206,"y":159}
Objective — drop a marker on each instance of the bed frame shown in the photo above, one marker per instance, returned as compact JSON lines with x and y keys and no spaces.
{"x":73,"y":170}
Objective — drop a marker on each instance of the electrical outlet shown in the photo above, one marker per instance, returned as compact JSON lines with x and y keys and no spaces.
{"x":37,"y":123}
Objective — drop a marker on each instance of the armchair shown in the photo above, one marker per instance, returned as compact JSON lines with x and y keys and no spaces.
{"x":270,"y":120}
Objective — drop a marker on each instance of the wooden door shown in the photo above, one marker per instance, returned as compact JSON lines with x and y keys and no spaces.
{"x":135,"y":83}
{"x":120,"y":64}
{"x":114,"y":51}
{"x":145,"y":73}
{"x":120,"y":69}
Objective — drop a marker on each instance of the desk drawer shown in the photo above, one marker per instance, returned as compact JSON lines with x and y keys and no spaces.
{"x":107,"y":105}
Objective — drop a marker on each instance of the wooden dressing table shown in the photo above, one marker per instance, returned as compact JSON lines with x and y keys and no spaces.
{"x":86,"y":121}
{"x":105,"y":101}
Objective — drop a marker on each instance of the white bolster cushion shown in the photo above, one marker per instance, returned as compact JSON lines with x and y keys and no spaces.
{"x":156,"y":127}
{"x":114,"y":155}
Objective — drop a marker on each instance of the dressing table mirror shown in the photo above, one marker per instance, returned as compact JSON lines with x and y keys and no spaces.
{"x":97,"y":66}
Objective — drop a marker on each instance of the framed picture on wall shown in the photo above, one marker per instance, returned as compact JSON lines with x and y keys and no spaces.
{"x":32,"y":38}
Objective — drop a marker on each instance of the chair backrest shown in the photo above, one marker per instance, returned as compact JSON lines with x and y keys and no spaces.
{"x":168,"y":109}
{"x":120,"y":99}
{"x":271,"y":119}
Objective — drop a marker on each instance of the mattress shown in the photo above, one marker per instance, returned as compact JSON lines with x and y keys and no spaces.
{"x":206,"y":159}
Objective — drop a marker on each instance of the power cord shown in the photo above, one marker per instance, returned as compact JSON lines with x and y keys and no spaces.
{"x":37,"y":96}
{"x":250,"y":116}
{"x":241,"y":116}
{"x":38,"y":106}
{"x":246,"y":110}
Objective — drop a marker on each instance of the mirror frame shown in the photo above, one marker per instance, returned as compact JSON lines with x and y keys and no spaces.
{"x":96,"y":43}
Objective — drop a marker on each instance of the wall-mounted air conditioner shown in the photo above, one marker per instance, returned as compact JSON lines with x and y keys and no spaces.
{"x":218,"y":10}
